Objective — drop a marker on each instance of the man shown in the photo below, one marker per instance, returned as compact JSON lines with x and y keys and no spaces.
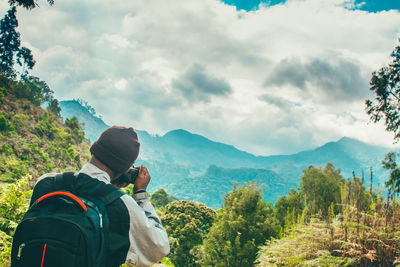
{"x":135,"y":231}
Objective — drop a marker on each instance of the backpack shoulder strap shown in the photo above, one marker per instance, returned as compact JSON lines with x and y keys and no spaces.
{"x":64,"y":181}
{"x":112,"y":196}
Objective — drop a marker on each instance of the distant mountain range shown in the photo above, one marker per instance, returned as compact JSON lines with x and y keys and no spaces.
{"x":192,"y":167}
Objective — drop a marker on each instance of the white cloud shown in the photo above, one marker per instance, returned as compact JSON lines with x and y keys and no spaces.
{"x":124,"y":56}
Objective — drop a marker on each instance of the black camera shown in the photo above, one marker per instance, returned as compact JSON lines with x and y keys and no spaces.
{"x":128,"y":177}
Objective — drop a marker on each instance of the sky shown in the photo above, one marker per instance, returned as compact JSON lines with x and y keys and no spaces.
{"x":370,"y":5}
{"x":269,"y":77}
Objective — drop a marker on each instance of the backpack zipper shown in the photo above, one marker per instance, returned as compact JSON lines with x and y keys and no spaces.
{"x":101,"y":220}
{"x":20,"y":248}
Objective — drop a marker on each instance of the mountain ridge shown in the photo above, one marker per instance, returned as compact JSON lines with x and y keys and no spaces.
{"x":180,"y":161}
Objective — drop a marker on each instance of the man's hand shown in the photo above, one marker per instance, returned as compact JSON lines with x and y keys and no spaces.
{"x":143,"y":179}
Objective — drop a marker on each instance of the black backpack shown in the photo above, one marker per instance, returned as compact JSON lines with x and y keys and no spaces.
{"x":63,"y":229}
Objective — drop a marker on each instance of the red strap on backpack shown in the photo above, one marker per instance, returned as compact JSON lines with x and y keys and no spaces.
{"x":65,"y":195}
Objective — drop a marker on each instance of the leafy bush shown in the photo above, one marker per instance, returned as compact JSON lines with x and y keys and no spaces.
{"x":46,"y":128}
{"x":321,"y":187}
{"x":75,"y":129}
{"x":293,"y":205}
{"x":11,"y":169}
{"x":20,"y":121}
{"x":5,"y":124}
{"x":305,"y":245}
{"x":242,"y":225}
{"x":14,"y":202}
{"x":160,"y":198}
{"x":186,"y":223}
{"x":3,"y":94}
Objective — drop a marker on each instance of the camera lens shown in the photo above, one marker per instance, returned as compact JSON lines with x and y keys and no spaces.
{"x":132,"y":174}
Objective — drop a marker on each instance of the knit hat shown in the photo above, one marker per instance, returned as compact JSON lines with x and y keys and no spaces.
{"x":117,"y":147}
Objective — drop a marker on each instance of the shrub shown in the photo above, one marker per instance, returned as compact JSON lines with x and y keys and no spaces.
{"x":242,"y":225}
{"x":20,"y":122}
{"x":186,"y":223}
{"x":14,"y":202}
{"x":11,"y":169}
{"x":46,"y":128}
{"x":5,"y":125}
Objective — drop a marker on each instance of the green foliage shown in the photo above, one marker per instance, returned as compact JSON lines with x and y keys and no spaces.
{"x":308,"y":244}
{"x":33,"y":140}
{"x":166,"y":262}
{"x":389,"y":163}
{"x":3,"y":92}
{"x":31,"y":88}
{"x":357,"y":194}
{"x":4,"y":124}
{"x":9,"y":42}
{"x":20,"y":121}
{"x":25,"y":60}
{"x":14,"y":202}
{"x":46,"y":127}
{"x":10,"y":47}
{"x":54,"y":107}
{"x":160,"y":198}
{"x":321,"y":188}
{"x":28,"y":4}
{"x":364,"y":233}
{"x":243,"y":224}
{"x":11,"y":169}
{"x":385,"y":84}
{"x":294,"y":202}
{"x":186,"y":223}
{"x":75,"y":128}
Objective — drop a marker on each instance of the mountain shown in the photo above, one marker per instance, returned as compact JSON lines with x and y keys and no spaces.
{"x":347,"y":154}
{"x":193,"y":167}
{"x":94,"y":126}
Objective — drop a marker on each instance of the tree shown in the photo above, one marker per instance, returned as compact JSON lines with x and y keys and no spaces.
{"x":9,"y":42}
{"x":25,"y":60}
{"x":75,"y":129}
{"x":242,"y":225}
{"x":160,"y":198}
{"x":186,"y":223}
{"x":321,"y":187}
{"x":389,"y":163}
{"x":286,"y":205}
{"x":28,"y":4}
{"x":385,"y":83}
{"x":54,"y":107}
{"x":10,"y":47}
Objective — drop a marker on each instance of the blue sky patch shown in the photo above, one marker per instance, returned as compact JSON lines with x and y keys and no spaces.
{"x":249,"y":5}
{"x":369,"y":5}
{"x":378,"y":5}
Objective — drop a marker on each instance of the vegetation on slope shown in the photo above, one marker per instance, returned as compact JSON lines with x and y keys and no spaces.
{"x":14,"y":202}
{"x":359,"y":229}
{"x":34,"y":140}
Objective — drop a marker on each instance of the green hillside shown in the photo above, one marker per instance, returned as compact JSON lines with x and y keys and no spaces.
{"x":33,"y":140}
{"x":210,"y":187}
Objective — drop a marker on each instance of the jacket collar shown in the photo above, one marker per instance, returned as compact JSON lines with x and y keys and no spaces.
{"x":95,"y":173}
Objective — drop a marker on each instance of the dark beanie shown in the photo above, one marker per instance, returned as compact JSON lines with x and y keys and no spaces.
{"x":117,"y":148}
